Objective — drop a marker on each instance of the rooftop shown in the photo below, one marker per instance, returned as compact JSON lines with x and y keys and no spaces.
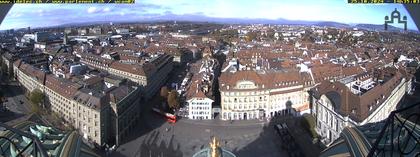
{"x":29,"y":138}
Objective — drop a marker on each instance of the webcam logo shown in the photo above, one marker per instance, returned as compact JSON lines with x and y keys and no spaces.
{"x":395,"y":15}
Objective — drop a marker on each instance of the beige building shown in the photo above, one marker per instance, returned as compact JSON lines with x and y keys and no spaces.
{"x":152,"y":75}
{"x":104,"y":116}
{"x":355,"y":101}
{"x":252,"y":95}
{"x":125,"y":109}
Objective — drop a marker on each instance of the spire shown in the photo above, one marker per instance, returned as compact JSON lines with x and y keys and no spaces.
{"x":215,"y":149}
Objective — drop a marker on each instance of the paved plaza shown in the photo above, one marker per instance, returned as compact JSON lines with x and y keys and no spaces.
{"x":244,"y":138}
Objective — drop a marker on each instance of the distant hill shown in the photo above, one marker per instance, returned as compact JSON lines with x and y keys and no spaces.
{"x":333,"y":24}
{"x":373,"y":27}
{"x":202,"y":18}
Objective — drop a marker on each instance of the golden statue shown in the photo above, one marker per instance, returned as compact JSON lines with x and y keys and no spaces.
{"x":215,"y":148}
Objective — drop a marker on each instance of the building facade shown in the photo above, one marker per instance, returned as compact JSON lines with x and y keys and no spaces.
{"x":250,"y":95}
{"x":151,"y":75}
{"x":103,"y":112}
{"x":200,"y":89}
{"x":200,"y":108}
{"x":357,"y":101}
{"x":124,"y":100}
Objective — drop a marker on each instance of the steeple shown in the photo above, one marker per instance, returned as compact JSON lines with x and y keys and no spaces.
{"x":215,"y":149}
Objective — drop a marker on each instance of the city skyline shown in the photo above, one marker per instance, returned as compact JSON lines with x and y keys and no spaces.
{"x":44,"y":15}
{"x":164,"y":87}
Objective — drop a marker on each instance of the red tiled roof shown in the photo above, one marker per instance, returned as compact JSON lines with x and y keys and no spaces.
{"x":269,"y":79}
{"x":359,"y":103}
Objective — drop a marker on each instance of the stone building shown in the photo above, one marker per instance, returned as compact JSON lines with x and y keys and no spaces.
{"x":356,"y":100}
{"x":253,"y":95}
{"x":103,"y":110}
{"x":152,"y":74}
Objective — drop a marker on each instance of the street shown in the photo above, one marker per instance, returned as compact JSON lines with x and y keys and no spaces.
{"x":16,"y":102}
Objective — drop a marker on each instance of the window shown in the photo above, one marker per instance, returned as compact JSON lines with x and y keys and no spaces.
{"x":336,"y":125}
{"x":327,"y":116}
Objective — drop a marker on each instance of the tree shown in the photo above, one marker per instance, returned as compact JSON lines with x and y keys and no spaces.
{"x":308,"y":122}
{"x":36,"y":97}
{"x":173,"y":99}
{"x":251,"y":36}
{"x":270,"y":34}
{"x":164,"y":92}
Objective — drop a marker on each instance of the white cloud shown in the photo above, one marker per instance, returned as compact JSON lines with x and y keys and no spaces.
{"x":107,"y":9}
{"x":91,"y":10}
{"x":40,"y":12}
{"x":339,"y":11}
{"x":16,"y":15}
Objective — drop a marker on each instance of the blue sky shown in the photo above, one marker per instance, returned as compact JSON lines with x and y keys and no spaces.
{"x":40,"y":15}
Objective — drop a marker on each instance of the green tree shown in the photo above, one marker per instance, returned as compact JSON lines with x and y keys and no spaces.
{"x":173,"y":101}
{"x":308,"y":122}
{"x":36,"y":97}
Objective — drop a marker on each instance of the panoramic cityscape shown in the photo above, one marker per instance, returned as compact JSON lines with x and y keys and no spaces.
{"x":171,"y":79}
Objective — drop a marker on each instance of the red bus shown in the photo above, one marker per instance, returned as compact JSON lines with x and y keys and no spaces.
{"x":171,"y":118}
